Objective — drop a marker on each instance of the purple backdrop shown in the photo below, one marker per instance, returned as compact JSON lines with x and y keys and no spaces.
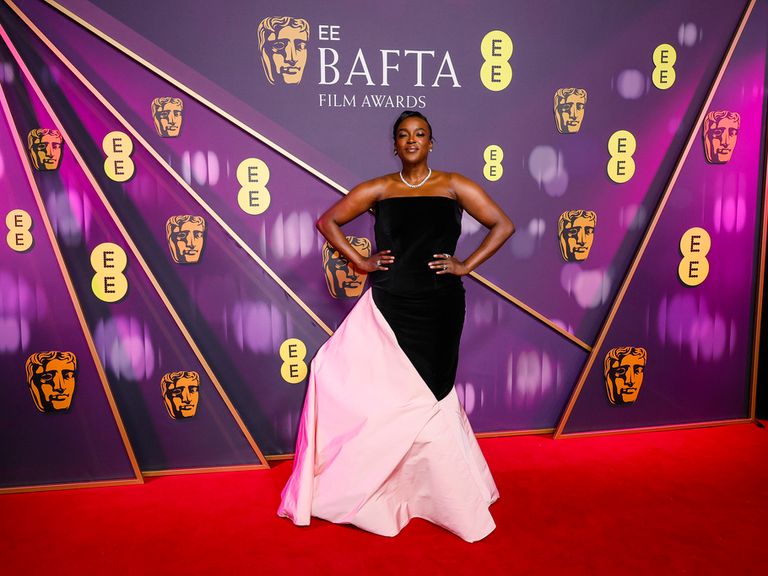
{"x":698,"y":339}
{"x":37,"y":315}
{"x":516,"y":373}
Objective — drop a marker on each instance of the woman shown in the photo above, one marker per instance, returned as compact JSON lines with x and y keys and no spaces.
{"x":383,"y":438}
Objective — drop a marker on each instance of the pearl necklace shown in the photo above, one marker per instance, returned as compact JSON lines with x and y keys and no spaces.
{"x":420,"y":184}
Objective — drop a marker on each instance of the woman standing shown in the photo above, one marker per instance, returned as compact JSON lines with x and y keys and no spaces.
{"x":383,"y":437}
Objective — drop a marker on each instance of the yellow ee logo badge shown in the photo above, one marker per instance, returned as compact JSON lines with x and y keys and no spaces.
{"x":109,"y":284}
{"x":253,"y":176}
{"x":664,"y":58}
{"x":621,"y":147}
{"x":294,"y":369}
{"x":496,"y":48}
{"x":118,"y":165}
{"x":493,"y":155}
{"x":19,"y":237}
{"x":694,"y":266}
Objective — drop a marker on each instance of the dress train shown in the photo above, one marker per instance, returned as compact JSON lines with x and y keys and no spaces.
{"x":375,"y":448}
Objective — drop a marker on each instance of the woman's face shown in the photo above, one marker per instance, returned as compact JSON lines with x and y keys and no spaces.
{"x":412,"y":140}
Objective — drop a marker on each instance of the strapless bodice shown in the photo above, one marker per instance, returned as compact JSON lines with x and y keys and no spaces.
{"x":415,"y":228}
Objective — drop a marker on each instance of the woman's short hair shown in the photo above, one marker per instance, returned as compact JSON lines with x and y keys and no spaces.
{"x":411,"y":114}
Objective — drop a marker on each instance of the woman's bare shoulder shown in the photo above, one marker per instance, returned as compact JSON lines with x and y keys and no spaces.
{"x":451,"y":182}
{"x":457,"y":177}
{"x":460,"y":183}
{"x":375,"y":187}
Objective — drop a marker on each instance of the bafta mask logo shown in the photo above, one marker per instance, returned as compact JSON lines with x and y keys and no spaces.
{"x":283,"y":47}
{"x":51,"y":380}
{"x":167,"y":114}
{"x":181,"y":393}
{"x":721,"y":130}
{"x":45,"y":146}
{"x":576,"y":229}
{"x":186,"y":238}
{"x":343,"y":280}
{"x":623,"y":370}
{"x":569,"y":109}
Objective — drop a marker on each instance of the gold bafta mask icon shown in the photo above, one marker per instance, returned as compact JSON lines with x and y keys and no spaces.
{"x":186,"y":238}
{"x":181,"y":393}
{"x":45,"y":146}
{"x":167,"y":114}
{"x":721,"y":130}
{"x":569,"y":109}
{"x":51,"y":380}
{"x":623,"y":370}
{"x":283,"y":46}
{"x":576,"y":229}
{"x":343,"y":280}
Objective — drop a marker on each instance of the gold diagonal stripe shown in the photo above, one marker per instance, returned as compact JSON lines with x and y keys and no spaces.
{"x":507,"y":433}
{"x":652,"y":224}
{"x":249,"y":130}
{"x":69,"y":486}
{"x":159,"y":158}
{"x":211,"y":212}
{"x":184,"y":88}
{"x":761,"y":268}
{"x":70,"y":286}
{"x":204,"y":470}
{"x":129,"y":241}
{"x":662,"y":428}
{"x":531,"y":311}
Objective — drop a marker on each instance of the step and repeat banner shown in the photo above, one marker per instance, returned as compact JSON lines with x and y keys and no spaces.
{"x":162,"y":285}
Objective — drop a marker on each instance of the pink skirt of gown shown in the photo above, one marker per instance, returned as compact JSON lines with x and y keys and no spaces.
{"x":375,"y":448}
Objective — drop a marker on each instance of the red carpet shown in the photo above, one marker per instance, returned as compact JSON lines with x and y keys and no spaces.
{"x":684,"y":502}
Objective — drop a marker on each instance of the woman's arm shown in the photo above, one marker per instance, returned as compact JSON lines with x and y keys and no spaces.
{"x":360,"y":199}
{"x":483,"y":209}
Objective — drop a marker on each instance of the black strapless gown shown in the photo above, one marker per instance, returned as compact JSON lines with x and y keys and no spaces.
{"x":376,"y":446}
{"x":425,"y":310}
